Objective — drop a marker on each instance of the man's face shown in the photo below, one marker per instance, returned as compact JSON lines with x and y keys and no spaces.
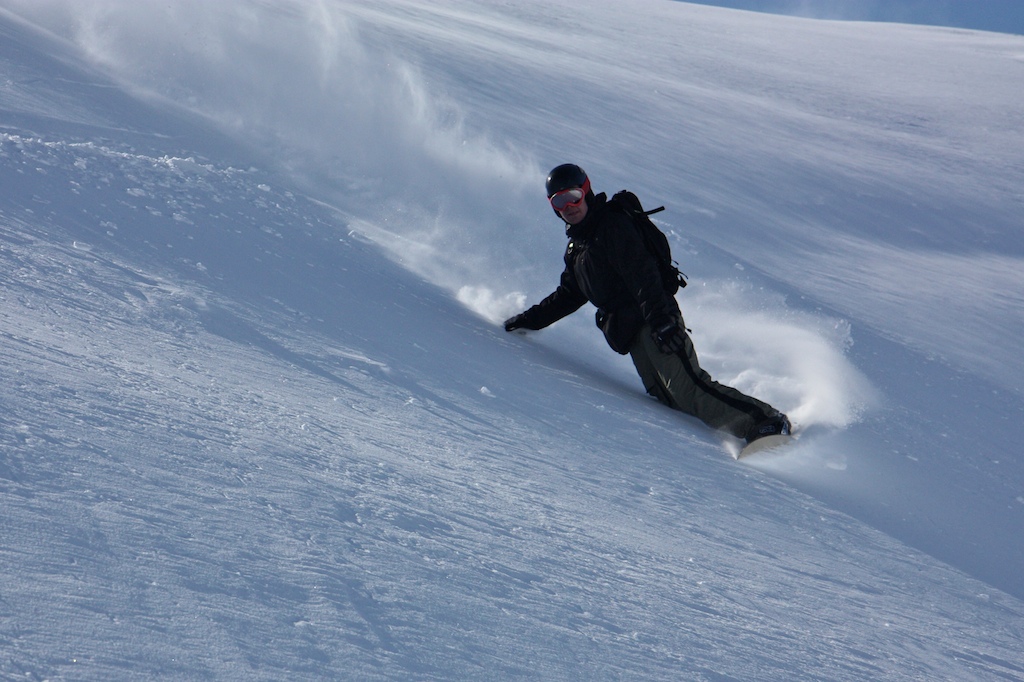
{"x":574,"y":214}
{"x":571,"y":204}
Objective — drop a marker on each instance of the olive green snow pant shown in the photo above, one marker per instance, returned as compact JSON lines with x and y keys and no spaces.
{"x":677,"y":380}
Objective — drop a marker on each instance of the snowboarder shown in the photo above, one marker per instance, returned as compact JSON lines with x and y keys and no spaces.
{"x":607,"y":264}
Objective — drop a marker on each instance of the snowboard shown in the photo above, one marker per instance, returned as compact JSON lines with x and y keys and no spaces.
{"x":765,"y":443}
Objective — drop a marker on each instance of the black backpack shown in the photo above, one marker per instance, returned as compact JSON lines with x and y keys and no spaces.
{"x":654,"y":239}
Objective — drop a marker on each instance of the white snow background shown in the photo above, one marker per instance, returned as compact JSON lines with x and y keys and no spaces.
{"x":259,"y":421}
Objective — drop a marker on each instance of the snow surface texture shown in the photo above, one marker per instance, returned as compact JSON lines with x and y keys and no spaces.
{"x":257,"y":420}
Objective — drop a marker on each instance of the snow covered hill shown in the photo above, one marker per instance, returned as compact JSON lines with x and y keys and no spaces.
{"x":257,"y":420}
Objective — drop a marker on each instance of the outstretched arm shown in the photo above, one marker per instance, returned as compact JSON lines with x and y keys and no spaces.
{"x":564,"y":300}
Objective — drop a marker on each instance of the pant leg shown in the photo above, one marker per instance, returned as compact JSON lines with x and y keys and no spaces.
{"x":678,"y":380}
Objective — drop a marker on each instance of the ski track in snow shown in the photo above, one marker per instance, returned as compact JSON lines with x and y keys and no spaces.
{"x":240,"y":443}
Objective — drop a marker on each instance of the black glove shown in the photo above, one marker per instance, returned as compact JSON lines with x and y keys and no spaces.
{"x":669,"y":337}
{"x":517,"y":322}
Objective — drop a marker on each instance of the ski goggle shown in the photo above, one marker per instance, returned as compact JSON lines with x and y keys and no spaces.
{"x":566,"y":198}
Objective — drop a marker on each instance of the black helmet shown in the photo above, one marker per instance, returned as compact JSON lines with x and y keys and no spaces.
{"x":566,"y":176}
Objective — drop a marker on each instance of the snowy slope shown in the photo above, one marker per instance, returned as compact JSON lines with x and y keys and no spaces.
{"x":257,"y":421}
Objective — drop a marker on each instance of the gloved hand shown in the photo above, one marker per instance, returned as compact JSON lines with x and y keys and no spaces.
{"x":517,"y":322}
{"x":669,"y":337}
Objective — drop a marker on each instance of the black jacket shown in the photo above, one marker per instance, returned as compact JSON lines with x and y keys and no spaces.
{"x":607,"y":264}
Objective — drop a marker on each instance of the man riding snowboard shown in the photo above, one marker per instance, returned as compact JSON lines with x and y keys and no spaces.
{"x":607,"y":263}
